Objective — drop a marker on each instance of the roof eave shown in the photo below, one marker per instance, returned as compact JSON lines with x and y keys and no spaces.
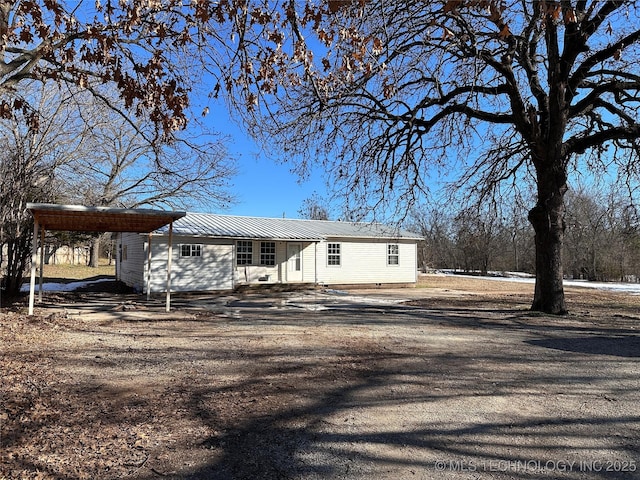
{"x":82,"y":218}
{"x":240,"y":237}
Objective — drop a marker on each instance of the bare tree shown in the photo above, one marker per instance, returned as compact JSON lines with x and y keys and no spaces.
{"x":27,"y":174}
{"x":139,"y":49}
{"x":602,"y":236}
{"x":586,"y":234}
{"x":435,"y":224}
{"x":121,"y":167}
{"x":314,"y":208}
{"x":628,"y":256}
{"x":385,"y":93}
{"x":93,"y":156}
{"x":477,"y":235}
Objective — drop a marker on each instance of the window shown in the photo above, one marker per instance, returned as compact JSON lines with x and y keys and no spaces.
{"x":333,"y":254}
{"x":244,"y":254}
{"x":123,"y":253}
{"x":191,"y":250}
{"x":267,"y":253}
{"x":393,"y":254}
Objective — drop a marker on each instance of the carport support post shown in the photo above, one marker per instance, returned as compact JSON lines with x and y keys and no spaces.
{"x":169,"y":255}
{"x":149,"y":268}
{"x":34,"y":251}
{"x":41,"y":277}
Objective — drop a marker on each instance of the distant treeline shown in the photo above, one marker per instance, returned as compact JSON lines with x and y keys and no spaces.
{"x":602,"y":238}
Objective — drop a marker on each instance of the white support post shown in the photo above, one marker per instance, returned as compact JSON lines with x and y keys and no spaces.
{"x":34,"y":251}
{"x":149,"y":268}
{"x":169,"y":255}
{"x":41,"y":277}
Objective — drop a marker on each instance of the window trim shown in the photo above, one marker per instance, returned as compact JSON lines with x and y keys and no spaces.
{"x":269,"y":256}
{"x":244,"y":252}
{"x":334,"y":252}
{"x":391,"y":254}
{"x":195,"y":250}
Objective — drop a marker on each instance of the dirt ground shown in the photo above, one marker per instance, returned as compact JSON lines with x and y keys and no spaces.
{"x":452,"y":379}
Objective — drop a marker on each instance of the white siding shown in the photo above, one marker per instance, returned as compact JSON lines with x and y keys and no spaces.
{"x":362,"y":262}
{"x":365,"y":261}
{"x":211,"y":271}
{"x":309,"y":262}
{"x":256,"y":273}
{"x":281,"y":262}
{"x":130,"y":260}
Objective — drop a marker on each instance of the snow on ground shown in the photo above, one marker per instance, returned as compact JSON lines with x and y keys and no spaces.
{"x":631,"y":288}
{"x":63,"y":287}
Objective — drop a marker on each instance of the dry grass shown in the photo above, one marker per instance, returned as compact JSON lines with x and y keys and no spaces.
{"x":471,"y":284}
{"x":63,"y":272}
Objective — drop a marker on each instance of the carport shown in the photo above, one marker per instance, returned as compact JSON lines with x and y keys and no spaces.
{"x":79,"y":218}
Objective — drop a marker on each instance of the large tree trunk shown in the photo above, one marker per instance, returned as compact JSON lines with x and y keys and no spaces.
{"x":94,"y":252}
{"x":547,"y":218}
{"x":18,"y":255}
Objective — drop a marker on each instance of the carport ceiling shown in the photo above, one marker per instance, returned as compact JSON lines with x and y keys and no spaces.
{"x":78,"y":218}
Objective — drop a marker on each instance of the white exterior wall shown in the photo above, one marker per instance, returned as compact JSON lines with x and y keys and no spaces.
{"x":258,"y":274}
{"x":365,"y":261}
{"x":211,"y":271}
{"x":131,"y":259}
{"x":309,"y":262}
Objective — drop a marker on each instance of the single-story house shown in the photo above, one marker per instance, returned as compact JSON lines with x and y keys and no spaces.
{"x":221,"y":252}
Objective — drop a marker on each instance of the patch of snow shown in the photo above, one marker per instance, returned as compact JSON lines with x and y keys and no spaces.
{"x":63,"y":287}
{"x":335,"y":292}
{"x":631,"y":288}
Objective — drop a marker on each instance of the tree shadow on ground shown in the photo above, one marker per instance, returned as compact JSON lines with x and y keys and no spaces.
{"x":316,"y":440}
{"x":295,"y":407}
{"x":617,"y":346}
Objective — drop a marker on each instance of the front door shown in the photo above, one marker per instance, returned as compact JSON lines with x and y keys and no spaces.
{"x":294,"y":262}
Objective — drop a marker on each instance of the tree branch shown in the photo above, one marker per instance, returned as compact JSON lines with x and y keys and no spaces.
{"x":580,"y":144}
{"x":583,"y":70}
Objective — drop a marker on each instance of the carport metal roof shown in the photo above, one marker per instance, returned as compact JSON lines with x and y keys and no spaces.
{"x":80,"y":218}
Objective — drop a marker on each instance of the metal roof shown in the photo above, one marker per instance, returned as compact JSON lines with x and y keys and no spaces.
{"x":80,"y":218}
{"x":228,"y":226}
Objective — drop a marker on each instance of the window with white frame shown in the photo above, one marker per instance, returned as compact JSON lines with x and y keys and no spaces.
{"x":333,"y":254}
{"x":267,"y":253}
{"x":393,"y":254}
{"x":191,"y":250}
{"x":244,"y":252}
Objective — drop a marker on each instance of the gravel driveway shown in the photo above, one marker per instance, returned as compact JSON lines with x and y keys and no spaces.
{"x":447,"y":381}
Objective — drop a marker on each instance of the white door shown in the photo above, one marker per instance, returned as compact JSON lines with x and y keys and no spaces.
{"x":294,"y":262}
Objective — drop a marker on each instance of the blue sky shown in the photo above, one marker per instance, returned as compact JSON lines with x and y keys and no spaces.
{"x":262,"y":187}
